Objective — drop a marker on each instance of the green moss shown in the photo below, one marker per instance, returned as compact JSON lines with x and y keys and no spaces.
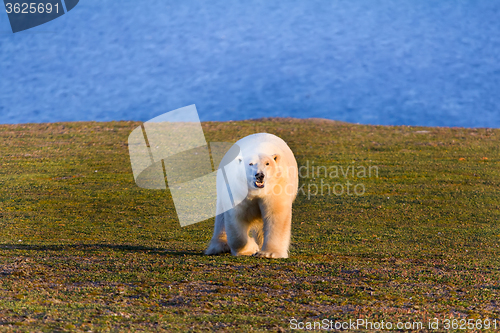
{"x":82,"y":248}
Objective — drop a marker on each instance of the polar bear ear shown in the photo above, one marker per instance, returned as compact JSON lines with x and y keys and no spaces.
{"x":276,"y":158}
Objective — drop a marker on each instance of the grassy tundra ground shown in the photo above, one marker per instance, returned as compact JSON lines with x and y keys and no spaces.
{"x":82,"y":248}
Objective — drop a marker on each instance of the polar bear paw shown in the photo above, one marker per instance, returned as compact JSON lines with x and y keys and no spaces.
{"x":217,"y":248}
{"x":266,"y":254}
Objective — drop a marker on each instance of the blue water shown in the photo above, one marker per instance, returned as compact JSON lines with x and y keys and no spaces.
{"x":425,"y":62}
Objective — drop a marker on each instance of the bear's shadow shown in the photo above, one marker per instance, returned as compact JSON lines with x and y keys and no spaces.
{"x":100,"y":247}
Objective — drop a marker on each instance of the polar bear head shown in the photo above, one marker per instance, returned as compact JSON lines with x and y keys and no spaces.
{"x":262,"y":170}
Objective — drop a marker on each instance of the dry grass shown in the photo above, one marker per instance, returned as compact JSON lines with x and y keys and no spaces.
{"x":82,"y":248}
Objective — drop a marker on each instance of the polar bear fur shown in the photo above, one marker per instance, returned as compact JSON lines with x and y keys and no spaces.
{"x":261,"y":224}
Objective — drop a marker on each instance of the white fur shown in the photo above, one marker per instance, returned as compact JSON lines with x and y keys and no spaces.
{"x":260,"y":224}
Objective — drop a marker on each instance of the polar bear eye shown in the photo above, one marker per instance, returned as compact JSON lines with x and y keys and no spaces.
{"x":267,"y":163}
{"x":250,"y":164}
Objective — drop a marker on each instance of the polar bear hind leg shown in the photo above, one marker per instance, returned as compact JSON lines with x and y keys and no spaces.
{"x":218,"y":244}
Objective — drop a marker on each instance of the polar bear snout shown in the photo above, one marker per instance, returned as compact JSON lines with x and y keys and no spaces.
{"x":259,"y":179}
{"x":259,"y":176}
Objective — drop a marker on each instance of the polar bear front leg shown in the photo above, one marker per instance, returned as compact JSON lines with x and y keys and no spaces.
{"x":240,"y":243}
{"x":277,"y":232}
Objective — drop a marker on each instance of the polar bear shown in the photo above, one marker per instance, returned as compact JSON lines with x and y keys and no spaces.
{"x":260,"y":225}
